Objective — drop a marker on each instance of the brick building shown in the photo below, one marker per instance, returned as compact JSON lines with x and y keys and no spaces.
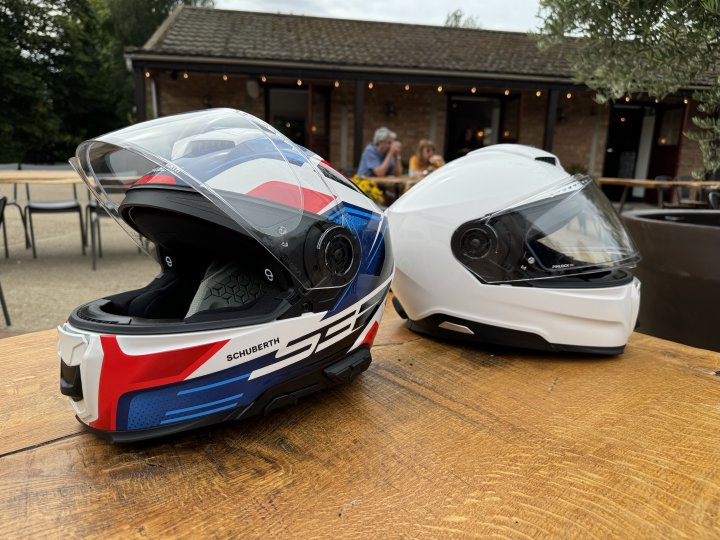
{"x":328,"y":83}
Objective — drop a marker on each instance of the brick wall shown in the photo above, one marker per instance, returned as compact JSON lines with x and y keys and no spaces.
{"x":202,"y":91}
{"x":414,"y":114}
{"x":418,"y":113}
{"x":581,"y":132}
{"x":532,"y":119}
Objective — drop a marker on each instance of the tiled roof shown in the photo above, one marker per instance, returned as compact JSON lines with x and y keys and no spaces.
{"x":332,"y":43}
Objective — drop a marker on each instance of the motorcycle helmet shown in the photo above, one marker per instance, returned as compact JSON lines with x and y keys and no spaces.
{"x":504,"y":246}
{"x":274,"y":274}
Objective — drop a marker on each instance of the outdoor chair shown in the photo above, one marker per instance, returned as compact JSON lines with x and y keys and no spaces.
{"x":686,"y":197}
{"x":3,"y":203}
{"x":714,"y":199}
{"x":94,"y":213}
{"x":53,"y":207}
{"x":14,"y":202}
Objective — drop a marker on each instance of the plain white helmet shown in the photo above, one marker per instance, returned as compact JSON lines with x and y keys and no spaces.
{"x":504,"y":246}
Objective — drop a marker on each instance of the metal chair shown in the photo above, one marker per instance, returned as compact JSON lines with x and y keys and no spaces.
{"x":714,"y":199}
{"x":14,"y":202}
{"x":3,"y":203}
{"x":94,"y":212}
{"x":53,"y":207}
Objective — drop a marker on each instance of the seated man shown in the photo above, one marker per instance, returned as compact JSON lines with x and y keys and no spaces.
{"x":382,"y":157}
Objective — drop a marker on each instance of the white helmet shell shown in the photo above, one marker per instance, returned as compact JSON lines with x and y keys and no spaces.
{"x":503,"y":247}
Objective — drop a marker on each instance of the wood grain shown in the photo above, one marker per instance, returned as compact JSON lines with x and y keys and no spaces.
{"x":435,"y":440}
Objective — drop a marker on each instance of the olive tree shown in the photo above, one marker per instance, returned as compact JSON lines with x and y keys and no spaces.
{"x":654,"y":47}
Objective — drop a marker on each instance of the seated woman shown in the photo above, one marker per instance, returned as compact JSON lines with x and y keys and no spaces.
{"x":425,"y":160}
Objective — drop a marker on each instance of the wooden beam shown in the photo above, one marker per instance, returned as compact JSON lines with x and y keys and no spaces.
{"x":550,"y":119}
{"x":140,"y":94}
{"x":359,"y":113}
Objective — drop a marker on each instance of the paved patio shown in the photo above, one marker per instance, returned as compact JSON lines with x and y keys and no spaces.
{"x":40,"y":293}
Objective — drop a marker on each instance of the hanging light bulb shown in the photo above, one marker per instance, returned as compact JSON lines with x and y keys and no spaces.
{"x":370,"y":85}
{"x":507,"y":92}
{"x":685,"y":101}
{"x":147,"y":74}
{"x":337,"y":84}
{"x":186,"y":75}
{"x":538,"y":93}
{"x":407,"y":87}
{"x":225,"y":77}
{"x":473,"y":90}
{"x":263,"y":78}
{"x":299,"y":82}
{"x":440,"y":89}
{"x":568,"y":95}
{"x":627,"y":99}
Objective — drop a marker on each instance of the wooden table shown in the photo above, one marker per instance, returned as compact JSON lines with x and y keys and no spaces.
{"x":434,"y":440}
{"x":661,"y":186}
{"x":395,"y":185}
{"x":38,"y":176}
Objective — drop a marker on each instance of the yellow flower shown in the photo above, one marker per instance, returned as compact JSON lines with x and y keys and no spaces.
{"x":369,"y":188}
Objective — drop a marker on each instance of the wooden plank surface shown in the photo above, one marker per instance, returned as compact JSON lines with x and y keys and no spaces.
{"x":435,"y":440}
{"x":39,"y":176}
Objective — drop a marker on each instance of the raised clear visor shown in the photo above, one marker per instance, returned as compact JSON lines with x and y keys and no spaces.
{"x":264,"y":182}
{"x":569,"y":230}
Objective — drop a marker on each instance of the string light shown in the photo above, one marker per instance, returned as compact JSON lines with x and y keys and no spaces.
{"x":370,"y":85}
{"x":337,"y":84}
{"x":473,"y":90}
{"x":507,"y":92}
{"x":506,"y":134}
{"x":685,"y":101}
{"x":568,"y":95}
{"x":313,"y":129}
{"x":299,"y":82}
{"x":407,"y":87}
{"x":538,"y":93}
{"x":186,"y":75}
{"x":225,"y":77}
{"x":627,"y":99}
{"x":622,"y":119}
{"x":263,"y":78}
{"x":147,"y":74}
{"x":440,"y":88}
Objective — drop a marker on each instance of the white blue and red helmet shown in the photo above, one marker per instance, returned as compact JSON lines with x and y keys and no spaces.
{"x":275,"y":271}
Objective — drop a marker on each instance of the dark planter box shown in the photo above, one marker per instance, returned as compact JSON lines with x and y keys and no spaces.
{"x":680,"y":274}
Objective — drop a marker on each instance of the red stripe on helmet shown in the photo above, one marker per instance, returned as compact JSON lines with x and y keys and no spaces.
{"x":369,"y":338}
{"x":157,"y":179}
{"x":123,"y":373}
{"x":291,"y":195}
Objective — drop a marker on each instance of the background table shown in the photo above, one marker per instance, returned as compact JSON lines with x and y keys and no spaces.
{"x":661,"y":186}
{"x":434,"y":440}
{"x":34,"y":176}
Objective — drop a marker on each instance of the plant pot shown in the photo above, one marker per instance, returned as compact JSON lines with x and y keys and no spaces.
{"x":679,"y":272}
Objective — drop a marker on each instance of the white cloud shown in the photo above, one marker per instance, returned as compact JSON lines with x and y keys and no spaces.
{"x":513,"y":15}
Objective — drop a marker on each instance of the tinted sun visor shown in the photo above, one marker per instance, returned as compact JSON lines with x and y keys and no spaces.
{"x":264,"y":182}
{"x":571,"y":229}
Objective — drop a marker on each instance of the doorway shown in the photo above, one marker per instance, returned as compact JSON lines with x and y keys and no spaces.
{"x":643,"y":142}
{"x":302,"y":115}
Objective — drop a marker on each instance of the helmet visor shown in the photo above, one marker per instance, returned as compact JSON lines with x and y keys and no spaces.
{"x":571,"y":229}
{"x":264,"y":182}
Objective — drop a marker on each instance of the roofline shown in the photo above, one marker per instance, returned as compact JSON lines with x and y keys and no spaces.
{"x":160,"y":30}
{"x":142,"y":57}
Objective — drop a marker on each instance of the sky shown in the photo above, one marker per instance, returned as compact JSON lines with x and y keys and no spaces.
{"x":513,"y":15}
